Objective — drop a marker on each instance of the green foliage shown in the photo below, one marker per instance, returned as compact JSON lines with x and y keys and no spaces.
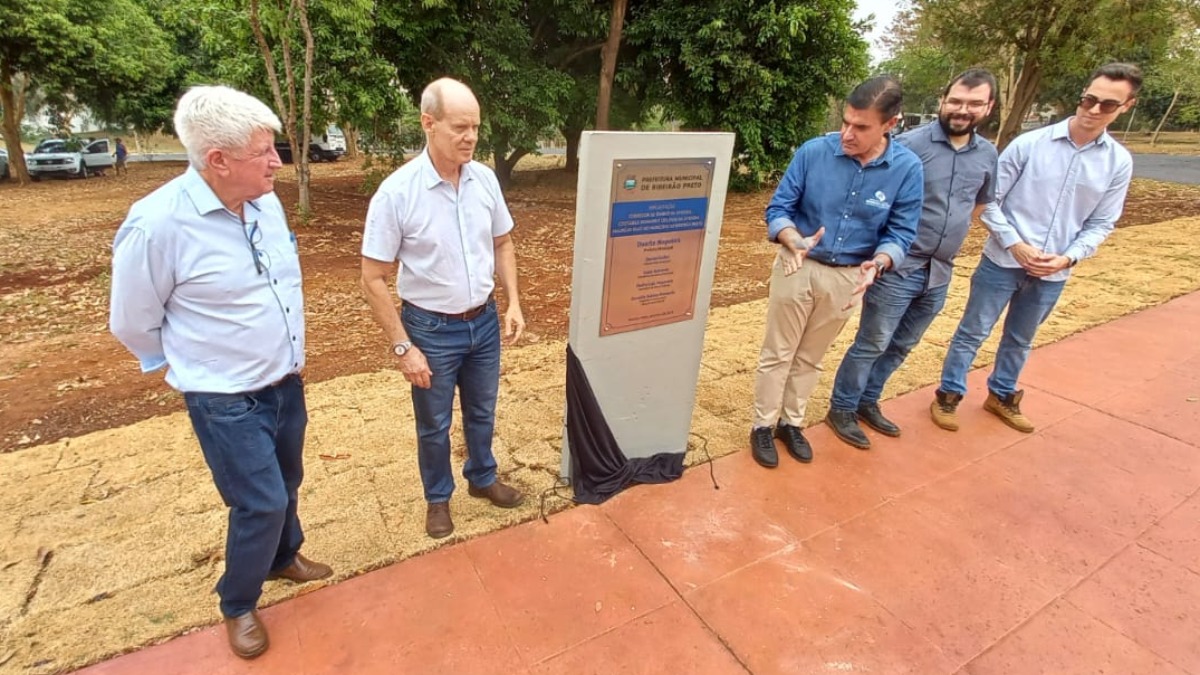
{"x":504,"y":50}
{"x":760,"y":68}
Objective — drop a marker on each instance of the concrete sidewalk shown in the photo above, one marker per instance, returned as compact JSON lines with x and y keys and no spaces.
{"x":1072,"y":550}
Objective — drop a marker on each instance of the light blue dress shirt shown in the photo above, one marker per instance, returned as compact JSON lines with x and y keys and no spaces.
{"x":1058,"y":197}
{"x":187,"y":294}
{"x":865,"y":209}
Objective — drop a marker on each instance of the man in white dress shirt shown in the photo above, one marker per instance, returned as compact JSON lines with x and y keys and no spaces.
{"x":1059,"y":192}
{"x":206,"y":283}
{"x":443,"y":217}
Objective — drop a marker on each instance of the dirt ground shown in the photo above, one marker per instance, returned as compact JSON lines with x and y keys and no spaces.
{"x":62,"y":374}
{"x":110,"y":529}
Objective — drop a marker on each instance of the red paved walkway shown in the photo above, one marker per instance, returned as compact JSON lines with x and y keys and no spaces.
{"x":1075,"y":549}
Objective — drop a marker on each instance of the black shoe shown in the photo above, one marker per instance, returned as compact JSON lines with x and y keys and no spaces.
{"x":762,"y":447}
{"x":795,"y":442}
{"x":845,"y":426}
{"x":873,"y":416}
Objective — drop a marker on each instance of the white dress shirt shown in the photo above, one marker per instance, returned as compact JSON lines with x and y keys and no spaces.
{"x":187,"y":294}
{"x":1055,"y":196}
{"x":442,"y":237}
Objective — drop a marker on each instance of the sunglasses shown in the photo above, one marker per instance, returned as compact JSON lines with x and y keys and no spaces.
{"x":1087,"y":102}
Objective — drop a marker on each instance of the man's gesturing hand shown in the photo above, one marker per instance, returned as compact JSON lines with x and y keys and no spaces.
{"x":796,"y":247}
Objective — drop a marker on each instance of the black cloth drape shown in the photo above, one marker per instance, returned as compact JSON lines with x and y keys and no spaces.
{"x":599,"y":469}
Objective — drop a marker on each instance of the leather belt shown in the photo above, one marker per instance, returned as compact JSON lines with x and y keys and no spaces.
{"x":460,"y":316}
{"x":829,"y":264}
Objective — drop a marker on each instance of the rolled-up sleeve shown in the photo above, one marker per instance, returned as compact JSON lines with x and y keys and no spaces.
{"x":786,"y":201}
{"x":142,"y":282}
{"x":904,"y":217}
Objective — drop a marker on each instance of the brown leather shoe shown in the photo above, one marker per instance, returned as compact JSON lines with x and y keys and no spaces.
{"x":437,"y":520}
{"x":247,"y":635}
{"x":301,"y":570}
{"x":499,"y":494}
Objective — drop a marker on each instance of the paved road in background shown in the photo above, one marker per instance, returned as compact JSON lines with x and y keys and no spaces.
{"x":1171,"y":168}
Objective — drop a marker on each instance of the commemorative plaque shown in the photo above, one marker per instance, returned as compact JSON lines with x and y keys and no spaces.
{"x":658,"y":210}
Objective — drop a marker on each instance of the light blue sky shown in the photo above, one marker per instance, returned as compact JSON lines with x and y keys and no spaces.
{"x":884,"y":11}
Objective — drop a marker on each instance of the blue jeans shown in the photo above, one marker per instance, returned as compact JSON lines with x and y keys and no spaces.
{"x":1029,"y":300}
{"x":896,"y":313}
{"x":463,"y":354}
{"x":253,"y":444}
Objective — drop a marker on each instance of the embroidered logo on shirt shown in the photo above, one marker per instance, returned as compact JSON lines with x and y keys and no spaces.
{"x":879,"y":201}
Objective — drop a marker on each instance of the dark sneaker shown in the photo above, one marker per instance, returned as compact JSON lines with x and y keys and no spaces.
{"x":762,"y":447}
{"x":873,"y":416}
{"x":944,"y":410}
{"x":1008,"y":409}
{"x":795,"y":442}
{"x":845,"y":426}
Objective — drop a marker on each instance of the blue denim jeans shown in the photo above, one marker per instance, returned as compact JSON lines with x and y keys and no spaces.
{"x":254,"y":446}
{"x":896,"y":313}
{"x":1029,"y":300}
{"x":466,"y":355}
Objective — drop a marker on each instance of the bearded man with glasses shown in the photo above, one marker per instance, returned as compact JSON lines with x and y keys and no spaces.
{"x":960,"y":177}
{"x":206,"y":283}
{"x":1059,"y":193}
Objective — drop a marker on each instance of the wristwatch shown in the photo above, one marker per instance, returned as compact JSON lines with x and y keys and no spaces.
{"x":401,"y":348}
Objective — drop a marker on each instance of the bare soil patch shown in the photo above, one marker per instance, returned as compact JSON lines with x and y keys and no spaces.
{"x":62,"y":374}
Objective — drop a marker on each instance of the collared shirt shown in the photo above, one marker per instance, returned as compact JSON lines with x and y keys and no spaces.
{"x":865,"y":210}
{"x":956,"y":179}
{"x":1056,"y":196}
{"x":442,"y":237}
{"x":186,"y":292}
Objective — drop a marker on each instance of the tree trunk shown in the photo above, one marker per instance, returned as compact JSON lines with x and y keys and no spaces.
{"x":505,"y":164}
{"x":305,"y":205}
{"x":12,"y":99}
{"x":1006,"y":99}
{"x":1132,"y":114}
{"x":608,"y":63}
{"x":572,"y":149}
{"x":1024,"y":92}
{"x":351,"y":133}
{"x":1171,"y":107}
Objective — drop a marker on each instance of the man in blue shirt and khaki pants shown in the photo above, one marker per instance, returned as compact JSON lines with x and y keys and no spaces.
{"x":845,"y":212}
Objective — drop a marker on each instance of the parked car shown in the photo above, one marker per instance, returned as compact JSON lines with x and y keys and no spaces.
{"x":3,"y":163}
{"x":69,"y":157}
{"x":317,"y":152}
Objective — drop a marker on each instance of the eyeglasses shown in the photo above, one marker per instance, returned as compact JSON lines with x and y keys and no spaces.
{"x":971,"y":106}
{"x":1087,"y":102}
{"x":253,"y":238}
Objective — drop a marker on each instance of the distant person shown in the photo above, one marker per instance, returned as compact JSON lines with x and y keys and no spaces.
{"x":443,"y":217}
{"x":1059,"y":192}
{"x":206,"y":282}
{"x":845,"y":212}
{"x":960,"y":178}
{"x":120,"y":155}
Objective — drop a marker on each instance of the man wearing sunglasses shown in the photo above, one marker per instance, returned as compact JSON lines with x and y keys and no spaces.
{"x":1059,"y":193}
{"x":443,"y":218}
{"x":960,"y":177}
{"x":206,"y":283}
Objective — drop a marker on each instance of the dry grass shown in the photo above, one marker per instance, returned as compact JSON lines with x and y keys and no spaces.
{"x":113,"y":540}
{"x":1169,"y":142}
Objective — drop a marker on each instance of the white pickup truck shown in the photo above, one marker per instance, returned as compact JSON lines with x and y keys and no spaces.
{"x":69,"y":157}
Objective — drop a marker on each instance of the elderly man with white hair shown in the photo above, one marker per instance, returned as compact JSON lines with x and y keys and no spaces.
{"x":206,"y":283}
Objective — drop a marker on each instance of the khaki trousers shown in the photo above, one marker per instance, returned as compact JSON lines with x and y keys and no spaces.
{"x":804,"y":317}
